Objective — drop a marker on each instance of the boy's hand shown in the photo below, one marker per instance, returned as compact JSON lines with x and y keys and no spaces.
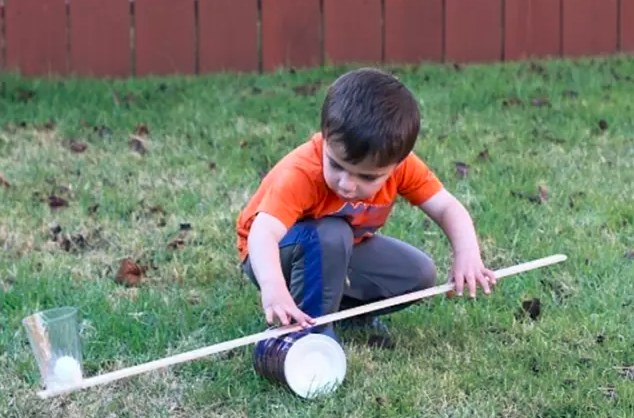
{"x":468,"y":267}
{"x":277,"y":301}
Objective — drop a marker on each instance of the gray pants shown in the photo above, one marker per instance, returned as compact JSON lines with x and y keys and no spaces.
{"x":326,"y":273}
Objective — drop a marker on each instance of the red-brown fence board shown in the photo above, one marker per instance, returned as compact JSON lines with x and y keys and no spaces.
{"x":1,"y":34}
{"x":35,"y":36}
{"x":100,"y":38}
{"x":228,"y":35}
{"x":532,"y":29}
{"x":352,"y":30}
{"x":291,"y":33}
{"x":413,"y":31}
{"x":473,"y":30}
{"x":590,"y":27}
{"x":626,"y":15}
{"x":164,"y":37}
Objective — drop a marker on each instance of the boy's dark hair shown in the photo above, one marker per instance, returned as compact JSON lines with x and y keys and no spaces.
{"x":369,"y":113}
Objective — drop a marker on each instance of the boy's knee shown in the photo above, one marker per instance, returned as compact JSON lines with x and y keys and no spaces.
{"x":426,"y":272}
{"x":335,"y":236}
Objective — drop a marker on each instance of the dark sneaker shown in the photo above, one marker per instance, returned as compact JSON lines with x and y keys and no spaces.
{"x":377,"y":331}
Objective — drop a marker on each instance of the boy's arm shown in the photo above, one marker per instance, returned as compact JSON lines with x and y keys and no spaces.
{"x":291,"y":193}
{"x":454,"y":219}
{"x":417,"y":183}
{"x":266,"y":232}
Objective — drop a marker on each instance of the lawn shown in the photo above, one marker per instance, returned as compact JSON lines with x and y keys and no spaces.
{"x":156,"y":170}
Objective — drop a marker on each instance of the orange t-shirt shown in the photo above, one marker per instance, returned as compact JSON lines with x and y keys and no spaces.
{"x":295,"y":189}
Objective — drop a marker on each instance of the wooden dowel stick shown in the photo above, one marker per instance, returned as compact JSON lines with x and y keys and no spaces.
{"x":274,"y":333}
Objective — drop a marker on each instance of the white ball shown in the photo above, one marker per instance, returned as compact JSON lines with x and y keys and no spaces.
{"x":67,"y":371}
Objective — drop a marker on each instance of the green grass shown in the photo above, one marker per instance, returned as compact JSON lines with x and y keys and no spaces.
{"x":210,"y":140}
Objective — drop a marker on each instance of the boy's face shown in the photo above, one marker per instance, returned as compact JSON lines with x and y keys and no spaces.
{"x":352,"y":182}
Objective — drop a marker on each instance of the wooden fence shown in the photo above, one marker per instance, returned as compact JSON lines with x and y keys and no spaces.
{"x":120,"y":38}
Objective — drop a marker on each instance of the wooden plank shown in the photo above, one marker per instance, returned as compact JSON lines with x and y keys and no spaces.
{"x":165,"y":37}
{"x":626,"y":36}
{"x":228,"y":35}
{"x":413,"y":31}
{"x":35,"y":36}
{"x":590,"y":27}
{"x":533,"y":29}
{"x":352,"y":31}
{"x":291,"y":33}
{"x":100,"y":38}
{"x":473,"y":30}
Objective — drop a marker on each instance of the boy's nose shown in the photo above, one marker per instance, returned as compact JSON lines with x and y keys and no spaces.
{"x":346,"y":183}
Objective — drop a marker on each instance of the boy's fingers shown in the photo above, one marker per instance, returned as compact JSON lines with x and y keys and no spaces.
{"x":472,"y":285}
{"x":484,"y":281}
{"x":281,"y":314}
{"x":491,"y":275}
{"x":459,"y":285}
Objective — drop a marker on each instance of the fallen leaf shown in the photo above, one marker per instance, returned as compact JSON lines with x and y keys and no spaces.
{"x":194,"y":297}
{"x":137,"y":144}
{"x":78,"y":146}
{"x":540,"y":101}
{"x":103,"y":131}
{"x":142,"y":130}
{"x":379,"y":341}
{"x":535,"y":367}
{"x":243,"y":144}
{"x":462,"y":169}
{"x":3,"y":182}
{"x":130,"y":274}
{"x":530,"y":197}
{"x":543,"y":193}
{"x":24,"y":95}
{"x":610,"y":392}
{"x":532,"y":307}
{"x":512,"y":101}
{"x":627,"y":371}
{"x":572,"y":199}
{"x":307,"y":89}
{"x":483,"y":155}
{"x":57,"y":202}
{"x":92,"y":209}
{"x":212,"y":166}
{"x":533,"y":67}
{"x":177,"y":243}
{"x":603,"y":125}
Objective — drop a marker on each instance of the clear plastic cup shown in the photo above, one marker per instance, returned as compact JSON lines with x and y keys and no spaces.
{"x":54,"y":338}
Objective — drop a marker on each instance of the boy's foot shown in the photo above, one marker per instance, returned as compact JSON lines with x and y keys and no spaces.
{"x":379,"y":334}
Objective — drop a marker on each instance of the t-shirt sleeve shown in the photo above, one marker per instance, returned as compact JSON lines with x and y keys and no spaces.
{"x":289,"y":196}
{"x":416,"y":182}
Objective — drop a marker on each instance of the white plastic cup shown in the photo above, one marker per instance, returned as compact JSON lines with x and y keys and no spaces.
{"x":53,"y":335}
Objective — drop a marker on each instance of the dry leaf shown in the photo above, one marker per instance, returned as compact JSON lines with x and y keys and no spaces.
{"x":142,"y":130}
{"x":137,"y":144}
{"x":78,"y":146}
{"x":540,"y":101}
{"x":130,"y":274}
{"x":462,"y":169}
{"x":56,"y":202}
{"x":3,"y":182}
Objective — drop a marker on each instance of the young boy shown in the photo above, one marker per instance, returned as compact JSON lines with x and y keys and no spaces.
{"x":308,"y":237}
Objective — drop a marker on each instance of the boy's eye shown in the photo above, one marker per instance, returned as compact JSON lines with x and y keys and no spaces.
{"x":336,"y":166}
{"x":368,"y":178}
